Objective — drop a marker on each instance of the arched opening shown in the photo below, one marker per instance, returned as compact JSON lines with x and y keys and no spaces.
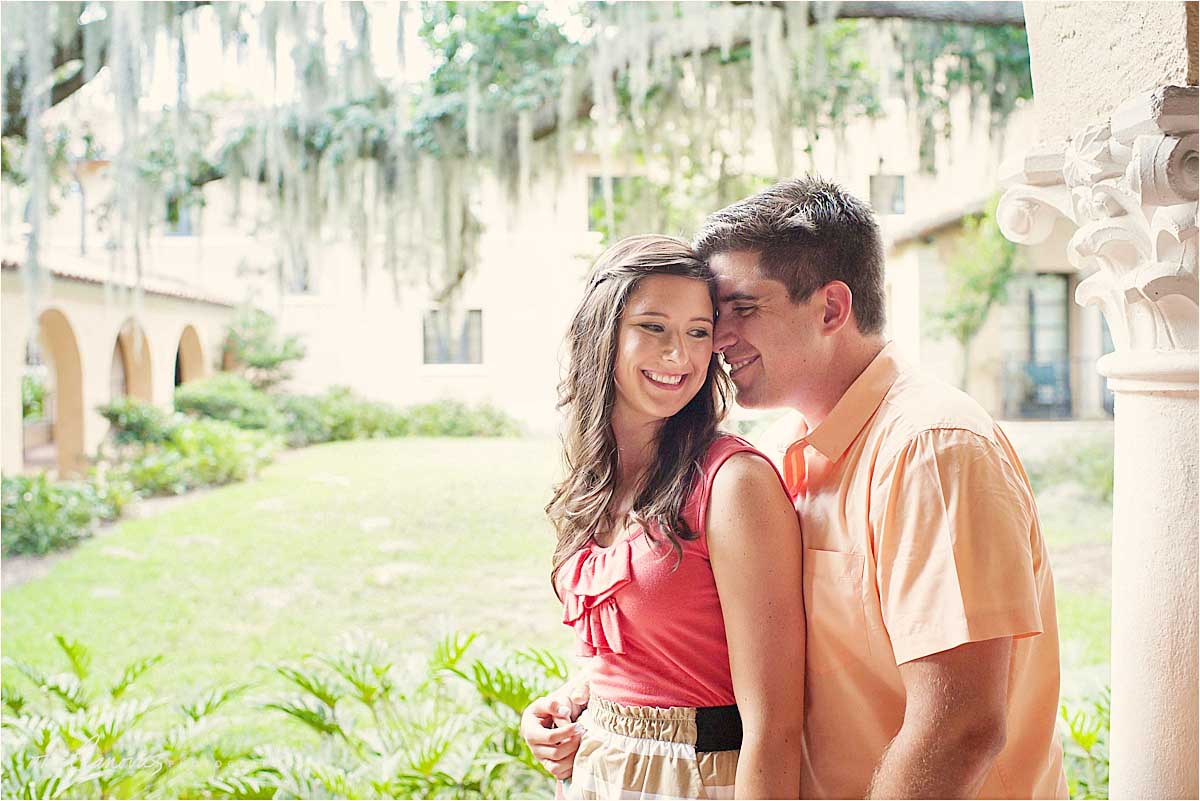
{"x":38,"y":451}
{"x":130,"y":372}
{"x":189,"y":358}
{"x":52,"y":398}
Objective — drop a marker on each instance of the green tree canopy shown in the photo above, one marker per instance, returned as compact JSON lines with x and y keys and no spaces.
{"x":677,"y":88}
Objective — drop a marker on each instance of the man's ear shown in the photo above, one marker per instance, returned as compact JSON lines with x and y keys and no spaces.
{"x":839,"y":302}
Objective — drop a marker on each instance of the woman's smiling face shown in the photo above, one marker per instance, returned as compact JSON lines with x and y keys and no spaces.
{"x":664,"y":347}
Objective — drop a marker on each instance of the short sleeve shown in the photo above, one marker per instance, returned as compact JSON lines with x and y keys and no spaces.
{"x":954,"y":525}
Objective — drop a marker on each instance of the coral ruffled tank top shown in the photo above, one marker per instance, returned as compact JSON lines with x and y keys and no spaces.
{"x":656,"y":631}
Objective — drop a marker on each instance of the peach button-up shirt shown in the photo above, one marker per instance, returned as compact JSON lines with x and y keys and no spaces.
{"x":920,"y":535}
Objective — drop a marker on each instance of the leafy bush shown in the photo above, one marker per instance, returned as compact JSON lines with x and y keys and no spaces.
{"x":154,"y":471}
{"x":112,"y":492}
{"x":260,"y":349}
{"x":352,"y":417}
{"x":229,"y":397}
{"x":134,"y":420}
{"x":446,"y":728}
{"x":199,"y":453}
{"x":304,"y":420}
{"x":1085,"y":747}
{"x":33,"y":397}
{"x":218,"y":453}
{"x":337,"y":415}
{"x":448,"y":418}
{"x":1088,"y":463}
{"x":77,"y":740}
{"x":40,"y":516}
{"x":384,"y":727}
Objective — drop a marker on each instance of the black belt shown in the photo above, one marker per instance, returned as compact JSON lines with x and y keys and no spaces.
{"x":718,"y":728}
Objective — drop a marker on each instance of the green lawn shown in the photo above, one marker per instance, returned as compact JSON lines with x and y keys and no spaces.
{"x":405,"y":538}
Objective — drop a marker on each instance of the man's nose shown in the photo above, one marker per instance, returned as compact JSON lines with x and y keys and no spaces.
{"x":723,"y":335}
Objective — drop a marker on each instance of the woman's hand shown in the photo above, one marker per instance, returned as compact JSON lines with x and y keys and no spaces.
{"x":548,"y":727}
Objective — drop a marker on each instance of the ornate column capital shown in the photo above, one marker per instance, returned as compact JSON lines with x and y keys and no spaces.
{"x":1129,"y":188}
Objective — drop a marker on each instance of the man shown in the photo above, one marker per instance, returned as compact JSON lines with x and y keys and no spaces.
{"x":932,"y":665}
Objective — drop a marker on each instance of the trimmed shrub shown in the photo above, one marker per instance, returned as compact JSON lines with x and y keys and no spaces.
{"x":231,"y":398}
{"x":113,"y":493}
{"x":449,"y":418}
{"x":40,"y":516}
{"x":199,"y":453}
{"x":305,"y":421}
{"x":135,"y":421}
{"x":155,"y":470}
{"x":1086,"y":462}
{"x":339,"y":414}
{"x":352,"y":417}
{"x":219,"y":453}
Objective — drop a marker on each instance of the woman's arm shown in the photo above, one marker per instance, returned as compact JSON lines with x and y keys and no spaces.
{"x":756,"y":551}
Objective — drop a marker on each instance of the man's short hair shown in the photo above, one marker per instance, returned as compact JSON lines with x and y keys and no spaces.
{"x":807,"y":232}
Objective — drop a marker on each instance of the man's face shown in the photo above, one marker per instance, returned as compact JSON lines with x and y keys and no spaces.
{"x":773,"y":347}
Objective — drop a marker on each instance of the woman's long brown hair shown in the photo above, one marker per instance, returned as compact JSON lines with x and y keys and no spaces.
{"x":580,"y":507}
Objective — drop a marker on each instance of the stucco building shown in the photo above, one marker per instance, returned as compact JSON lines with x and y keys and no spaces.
{"x":500,"y":343}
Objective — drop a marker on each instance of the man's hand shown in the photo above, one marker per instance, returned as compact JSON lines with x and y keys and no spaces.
{"x":548,"y":726}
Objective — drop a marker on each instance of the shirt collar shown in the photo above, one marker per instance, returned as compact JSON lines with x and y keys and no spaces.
{"x":856,"y":406}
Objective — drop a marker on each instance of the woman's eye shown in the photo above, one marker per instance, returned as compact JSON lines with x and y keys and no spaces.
{"x":701,"y":333}
{"x":654,"y":327}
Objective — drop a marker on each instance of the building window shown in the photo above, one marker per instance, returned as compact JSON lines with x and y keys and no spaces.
{"x":453,"y":337}
{"x":1107,"y":400}
{"x":1038,"y":377}
{"x":178,"y":218}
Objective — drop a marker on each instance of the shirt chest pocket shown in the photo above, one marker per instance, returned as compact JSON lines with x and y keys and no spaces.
{"x":833,"y":610}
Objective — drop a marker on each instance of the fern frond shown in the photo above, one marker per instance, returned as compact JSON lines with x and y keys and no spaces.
{"x":67,"y":688}
{"x":498,"y":685}
{"x":311,"y":713}
{"x":552,"y":665}
{"x":77,"y":655}
{"x":12,"y":698}
{"x":131,"y":673}
{"x":449,"y":651}
{"x":211,"y":701}
{"x":311,"y":682}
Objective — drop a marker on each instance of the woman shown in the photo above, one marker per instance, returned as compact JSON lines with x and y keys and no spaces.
{"x":679,"y":557}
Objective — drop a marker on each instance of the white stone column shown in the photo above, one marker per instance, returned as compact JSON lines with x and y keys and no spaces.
{"x":1128,"y":188}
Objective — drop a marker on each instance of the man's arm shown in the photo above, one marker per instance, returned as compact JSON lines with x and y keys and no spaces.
{"x":954,"y":723}
{"x":547,"y":726}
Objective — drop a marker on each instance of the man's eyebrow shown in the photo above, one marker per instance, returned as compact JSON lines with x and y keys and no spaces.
{"x":732,"y":296}
{"x":661,"y":314}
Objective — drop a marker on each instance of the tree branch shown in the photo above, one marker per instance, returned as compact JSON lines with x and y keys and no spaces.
{"x":14,"y":74}
{"x":991,"y":14}
{"x":968,"y":13}
{"x":546,"y":119}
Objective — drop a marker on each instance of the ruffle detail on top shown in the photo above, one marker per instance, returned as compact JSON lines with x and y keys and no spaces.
{"x":591,"y":579}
